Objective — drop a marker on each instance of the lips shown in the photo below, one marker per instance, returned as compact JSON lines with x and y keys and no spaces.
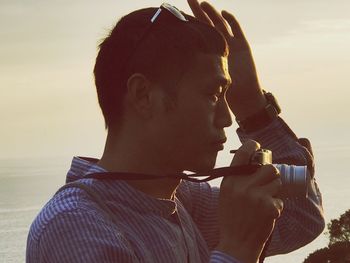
{"x":219,"y":144}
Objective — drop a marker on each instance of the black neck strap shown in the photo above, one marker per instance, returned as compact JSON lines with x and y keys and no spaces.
{"x":196,"y":177}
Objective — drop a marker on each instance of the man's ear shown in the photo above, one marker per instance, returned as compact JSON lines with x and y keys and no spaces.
{"x":139,"y":94}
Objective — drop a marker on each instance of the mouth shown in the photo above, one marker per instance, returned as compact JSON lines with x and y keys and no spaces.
{"x":219,"y":145}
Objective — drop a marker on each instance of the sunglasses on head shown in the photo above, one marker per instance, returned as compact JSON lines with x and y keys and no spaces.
{"x":164,"y":10}
{"x":169,"y":9}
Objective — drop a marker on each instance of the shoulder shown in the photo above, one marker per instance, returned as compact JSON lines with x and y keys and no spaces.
{"x":71,"y":226}
{"x":71,"y":204}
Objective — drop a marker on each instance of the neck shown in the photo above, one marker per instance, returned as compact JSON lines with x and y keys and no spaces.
{"x":132,"y":154}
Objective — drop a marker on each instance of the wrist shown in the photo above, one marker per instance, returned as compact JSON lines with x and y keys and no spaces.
{"x":263,"y":117}
{"x":251,"y":106}
{"x":246,"y":101}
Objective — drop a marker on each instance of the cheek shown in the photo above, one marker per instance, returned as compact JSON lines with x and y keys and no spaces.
{"x":201,"y":121}
{"x":196,"y":133}
{"x":192,"y":121}
{"x":198,"y":112}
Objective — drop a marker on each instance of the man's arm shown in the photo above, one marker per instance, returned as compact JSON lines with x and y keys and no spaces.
{"x":302,"y":218}
{"x":228,"y":221}
{"x":246,"y":98}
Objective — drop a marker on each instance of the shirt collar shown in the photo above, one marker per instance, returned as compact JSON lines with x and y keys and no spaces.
{"x":119,"y":191}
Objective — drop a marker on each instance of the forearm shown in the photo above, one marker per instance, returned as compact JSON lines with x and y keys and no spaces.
{"x":302,"y":219}
{"x":282,"y":141}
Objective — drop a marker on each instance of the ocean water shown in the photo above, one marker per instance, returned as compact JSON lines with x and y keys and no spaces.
{"x":27,"y":184}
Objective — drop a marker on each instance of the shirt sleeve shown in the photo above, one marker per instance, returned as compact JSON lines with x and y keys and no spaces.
{"x":220,"y":257}
{"x":77,"y":237}
{"x":302,"y":218}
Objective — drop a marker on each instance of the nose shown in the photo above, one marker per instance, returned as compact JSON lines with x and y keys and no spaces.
{"x":223,"y":116}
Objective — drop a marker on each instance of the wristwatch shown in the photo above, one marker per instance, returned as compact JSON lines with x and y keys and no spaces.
{"x":262,"y":118}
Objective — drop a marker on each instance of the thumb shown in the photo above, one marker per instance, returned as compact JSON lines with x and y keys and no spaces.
{"x":245,"y":152}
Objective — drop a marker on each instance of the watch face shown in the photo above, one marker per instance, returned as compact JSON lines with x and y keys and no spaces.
{"x":272,"y":101}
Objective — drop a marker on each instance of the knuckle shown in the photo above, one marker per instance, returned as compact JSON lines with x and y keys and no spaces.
{"x":258,"y":199}
{"x":274,"y":208}
{"x":251,"y":144}
{"x":269,"y":207}
{"x":245,"y":152}
{"x":270,"y":169}
{"x":275,"y":213}
{"x":278,"y":207}
{"x":279,"y":203}
{"x":244,"y":155}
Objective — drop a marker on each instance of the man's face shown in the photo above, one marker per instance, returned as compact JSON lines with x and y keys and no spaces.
{"x":192,"y":132}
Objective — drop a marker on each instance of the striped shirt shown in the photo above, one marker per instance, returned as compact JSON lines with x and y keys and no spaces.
{"x":117,"y":223}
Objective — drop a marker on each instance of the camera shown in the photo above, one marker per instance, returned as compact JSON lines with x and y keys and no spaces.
{"x":295,"y":179}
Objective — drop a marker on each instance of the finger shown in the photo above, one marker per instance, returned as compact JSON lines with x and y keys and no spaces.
{"x":278,"y":206}
{"x":273,"y":207}
{"x":244,"y":153}
{"x":265,"y":175}
{"x":235,"y":27}
{"x":198,"y":12}
{"x":307,"y":144}
{"x":273,"y":188}
{"x":218,"y":21}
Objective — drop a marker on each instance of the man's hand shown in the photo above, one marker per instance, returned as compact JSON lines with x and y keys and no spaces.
{"x":248,"y":208}
{"x":245,"y":97}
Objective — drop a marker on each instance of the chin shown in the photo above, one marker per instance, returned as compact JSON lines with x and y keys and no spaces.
{"x":203,"y":165}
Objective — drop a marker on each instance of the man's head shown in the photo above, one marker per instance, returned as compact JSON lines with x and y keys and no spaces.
{"x":163,"y":54}
{"x":182,"y":65}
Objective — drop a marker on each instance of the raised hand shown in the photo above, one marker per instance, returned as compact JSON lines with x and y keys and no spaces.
{"x":245,"y":96}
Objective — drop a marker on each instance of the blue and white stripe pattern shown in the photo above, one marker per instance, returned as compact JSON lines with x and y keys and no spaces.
{"x":72,"y":227}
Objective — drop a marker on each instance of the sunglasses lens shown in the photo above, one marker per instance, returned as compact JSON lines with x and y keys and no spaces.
{"x":176,"y":12}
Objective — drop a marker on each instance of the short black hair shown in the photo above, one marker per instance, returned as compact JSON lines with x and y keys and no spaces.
{"x":167,"y":49}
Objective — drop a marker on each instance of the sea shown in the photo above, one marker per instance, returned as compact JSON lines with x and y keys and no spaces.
{"x":26,"y":184}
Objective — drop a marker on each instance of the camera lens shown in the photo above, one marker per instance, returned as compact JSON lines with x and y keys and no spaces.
{"x":294,"y":180}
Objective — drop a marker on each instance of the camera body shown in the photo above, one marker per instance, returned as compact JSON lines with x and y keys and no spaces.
{"x":295,"y":179}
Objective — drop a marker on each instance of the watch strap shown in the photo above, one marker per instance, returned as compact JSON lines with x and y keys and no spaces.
{"x":262,"y":118}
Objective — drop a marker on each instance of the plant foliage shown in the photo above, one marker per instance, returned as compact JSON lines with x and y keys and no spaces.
{"x":338,"y":250}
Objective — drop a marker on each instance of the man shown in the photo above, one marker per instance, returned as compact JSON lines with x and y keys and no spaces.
{"x":162,"y":78}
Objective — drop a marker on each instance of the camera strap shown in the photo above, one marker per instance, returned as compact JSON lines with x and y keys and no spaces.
{"x":241,"y":170}
{"x":195,"y":177}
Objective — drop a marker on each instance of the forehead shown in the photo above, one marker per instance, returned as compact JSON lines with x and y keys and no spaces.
{"x":207,"y":69}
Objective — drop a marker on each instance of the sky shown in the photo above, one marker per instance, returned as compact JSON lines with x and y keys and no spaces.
{"x":47,"y":53}
{"x":48,"y":104}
